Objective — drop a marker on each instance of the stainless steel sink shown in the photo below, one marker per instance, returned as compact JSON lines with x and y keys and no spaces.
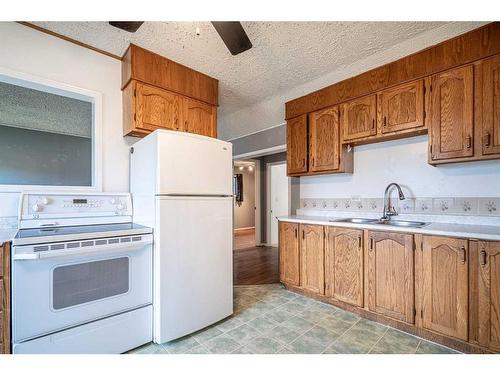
{"x":355,"y":220}
{"x":395,"y":223}
{"x":402,"y":223}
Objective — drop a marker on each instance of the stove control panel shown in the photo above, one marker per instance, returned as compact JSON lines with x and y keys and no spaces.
{"x":37,"y":206}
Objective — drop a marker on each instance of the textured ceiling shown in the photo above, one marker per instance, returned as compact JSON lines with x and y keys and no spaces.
{"x":284,"y":54}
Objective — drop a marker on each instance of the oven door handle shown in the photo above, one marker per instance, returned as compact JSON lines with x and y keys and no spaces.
{"x":105,"y":249}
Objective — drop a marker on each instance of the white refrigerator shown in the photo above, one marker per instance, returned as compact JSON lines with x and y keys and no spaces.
{"x":181,"y":185}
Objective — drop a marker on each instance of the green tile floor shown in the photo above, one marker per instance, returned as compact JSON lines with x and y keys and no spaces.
{"x":269,"y":319}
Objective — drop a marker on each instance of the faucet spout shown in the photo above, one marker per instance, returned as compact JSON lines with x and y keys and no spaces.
{"x":388,"y":209}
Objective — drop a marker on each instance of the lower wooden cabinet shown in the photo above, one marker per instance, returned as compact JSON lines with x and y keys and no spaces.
{"x":312,"y":269}
{"x":4,"y":298}
{"x":391,"y":275}
{"x":344,"y":265}
{"x":289,"y":254}
{"x":445,"y":286}
{"x":489,"y":295}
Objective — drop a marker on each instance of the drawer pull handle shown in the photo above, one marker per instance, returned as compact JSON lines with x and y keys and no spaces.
{"x":463,"y":255}
{"x":482,"y":258}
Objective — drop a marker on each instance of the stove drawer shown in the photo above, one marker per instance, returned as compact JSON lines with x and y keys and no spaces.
{"x":113,"y":335}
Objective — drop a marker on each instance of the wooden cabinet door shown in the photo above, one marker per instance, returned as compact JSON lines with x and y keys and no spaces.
{"x":401,"y":107}
{"x":489,"y":295}
{"x":358,"y":118}
{"x":312,"y":269}
{"x":391,"y":275}
{"x":451,"y":118}
{"x":296,"y":143}
{"x":199,"y":118}
{"x":445,"y":285}
{"x":289,"y":253}
{"x":156,"y":108}
{"x":491,"y":106}
{"x":324,"y":147}
{"x":344,"y":265}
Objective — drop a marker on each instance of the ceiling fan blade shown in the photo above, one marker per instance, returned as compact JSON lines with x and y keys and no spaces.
{"x":130,"y":26}
{"x":233,"y":35}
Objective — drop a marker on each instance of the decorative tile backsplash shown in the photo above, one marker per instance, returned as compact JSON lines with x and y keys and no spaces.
{"x":433,"y":206}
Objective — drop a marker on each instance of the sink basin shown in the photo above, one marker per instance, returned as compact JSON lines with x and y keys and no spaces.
{"x":355,"y":220}
{"x":402,"y":223}
{"x":395,"y":223}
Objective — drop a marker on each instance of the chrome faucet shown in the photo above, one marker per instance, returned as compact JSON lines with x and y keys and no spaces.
{"x":388,"y":209}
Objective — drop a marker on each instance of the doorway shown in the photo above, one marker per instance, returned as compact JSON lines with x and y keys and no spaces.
{"x":278,"y":198}
{"x":245,"y":186}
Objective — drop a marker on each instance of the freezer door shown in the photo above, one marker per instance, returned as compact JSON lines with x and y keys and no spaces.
{"x":191,"y":164}
{"x":193,"y":273}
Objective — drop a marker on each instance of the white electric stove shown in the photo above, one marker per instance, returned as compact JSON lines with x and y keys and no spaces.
{"x":81,"y":275}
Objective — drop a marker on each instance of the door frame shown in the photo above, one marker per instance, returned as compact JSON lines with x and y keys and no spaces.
{"x":268,"y":199}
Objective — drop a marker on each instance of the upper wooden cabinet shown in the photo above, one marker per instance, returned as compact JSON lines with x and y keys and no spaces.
{"x":156,"y":108}
{"x":491,"y":106}
{"x":358,"y":118}
{"x":199,"y":118}
{"x":289,"y":253}
{"x":445,"y":286}
{"x":401,"y":108}
{"x":312,"y":269}
{"x":160,"y":94}
{"x":296,"y":140}
{"x":451,"y":114}
{"x":344,"y":265}
{"x":324,"y":135}
{"x":489,"y":295}
{"x":148,"y":67}
{"x":391,"y":275}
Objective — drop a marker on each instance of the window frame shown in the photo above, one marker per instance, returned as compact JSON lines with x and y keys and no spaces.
{"x":59,"y":88}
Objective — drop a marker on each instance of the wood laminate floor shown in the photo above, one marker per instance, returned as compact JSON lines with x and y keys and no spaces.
{"x":257,"y":265}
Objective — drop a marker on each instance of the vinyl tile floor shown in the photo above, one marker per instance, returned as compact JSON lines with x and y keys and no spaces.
{"x":269,"y":319}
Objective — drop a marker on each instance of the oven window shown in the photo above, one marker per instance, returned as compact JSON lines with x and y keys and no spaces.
{"x":76,"y":284}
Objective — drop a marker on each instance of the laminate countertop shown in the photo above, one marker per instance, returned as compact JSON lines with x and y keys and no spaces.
{"x":7,"y":235}
{"x":478,"y":232}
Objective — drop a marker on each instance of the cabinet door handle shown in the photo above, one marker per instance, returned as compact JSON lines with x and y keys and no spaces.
{"x":385,"y":120}
{"x":303,"y":162}
{"x":359,"y":242}
{"x":295,"y":232}
{"x":373,"y":124}
{"x":468,"y":142}
{"x":313,"y":162}
{"x":303,"y":234}
{"x":463,"y":255}
{"x":482,"y":258}
{"x":371,"y":244}
{"x":486,"y":140}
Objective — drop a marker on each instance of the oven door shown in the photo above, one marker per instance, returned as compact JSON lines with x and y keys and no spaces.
{"x":57,"y":289}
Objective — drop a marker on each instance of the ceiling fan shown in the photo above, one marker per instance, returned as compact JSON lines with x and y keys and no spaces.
{"x":231,"y":32}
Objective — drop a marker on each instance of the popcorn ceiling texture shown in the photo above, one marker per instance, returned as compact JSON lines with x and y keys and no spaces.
{"x":285,"y":62}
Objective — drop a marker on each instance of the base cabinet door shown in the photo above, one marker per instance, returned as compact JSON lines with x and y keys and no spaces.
{"x":289,"y":253}
{"x":324,"y":135}
{"x":491,"y":106}
{"x":445,"y":286}
{"x":344,"y":265}
{"x":391,"y":275}
{"x":489,"y":295}
{"x":312,"y":270}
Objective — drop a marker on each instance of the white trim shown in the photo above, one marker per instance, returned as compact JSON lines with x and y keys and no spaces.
{"x":255,"y":132}
{"x":257,"y":202}
{"x":268,"y":200}
{"x":47,"y":85}
{"x":263,"y":152}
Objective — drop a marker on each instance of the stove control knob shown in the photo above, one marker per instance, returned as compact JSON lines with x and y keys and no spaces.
{"x":120,"y":206}
{"x":45,"y":200}
{"x":36,"y":208}
{"x":114,"y":201}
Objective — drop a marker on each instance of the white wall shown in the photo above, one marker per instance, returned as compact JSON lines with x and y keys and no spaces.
{"x":29,"y":51}
{"x":270,"y":111}
{"x":405,"y":162}
{"x":244,"y":215}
